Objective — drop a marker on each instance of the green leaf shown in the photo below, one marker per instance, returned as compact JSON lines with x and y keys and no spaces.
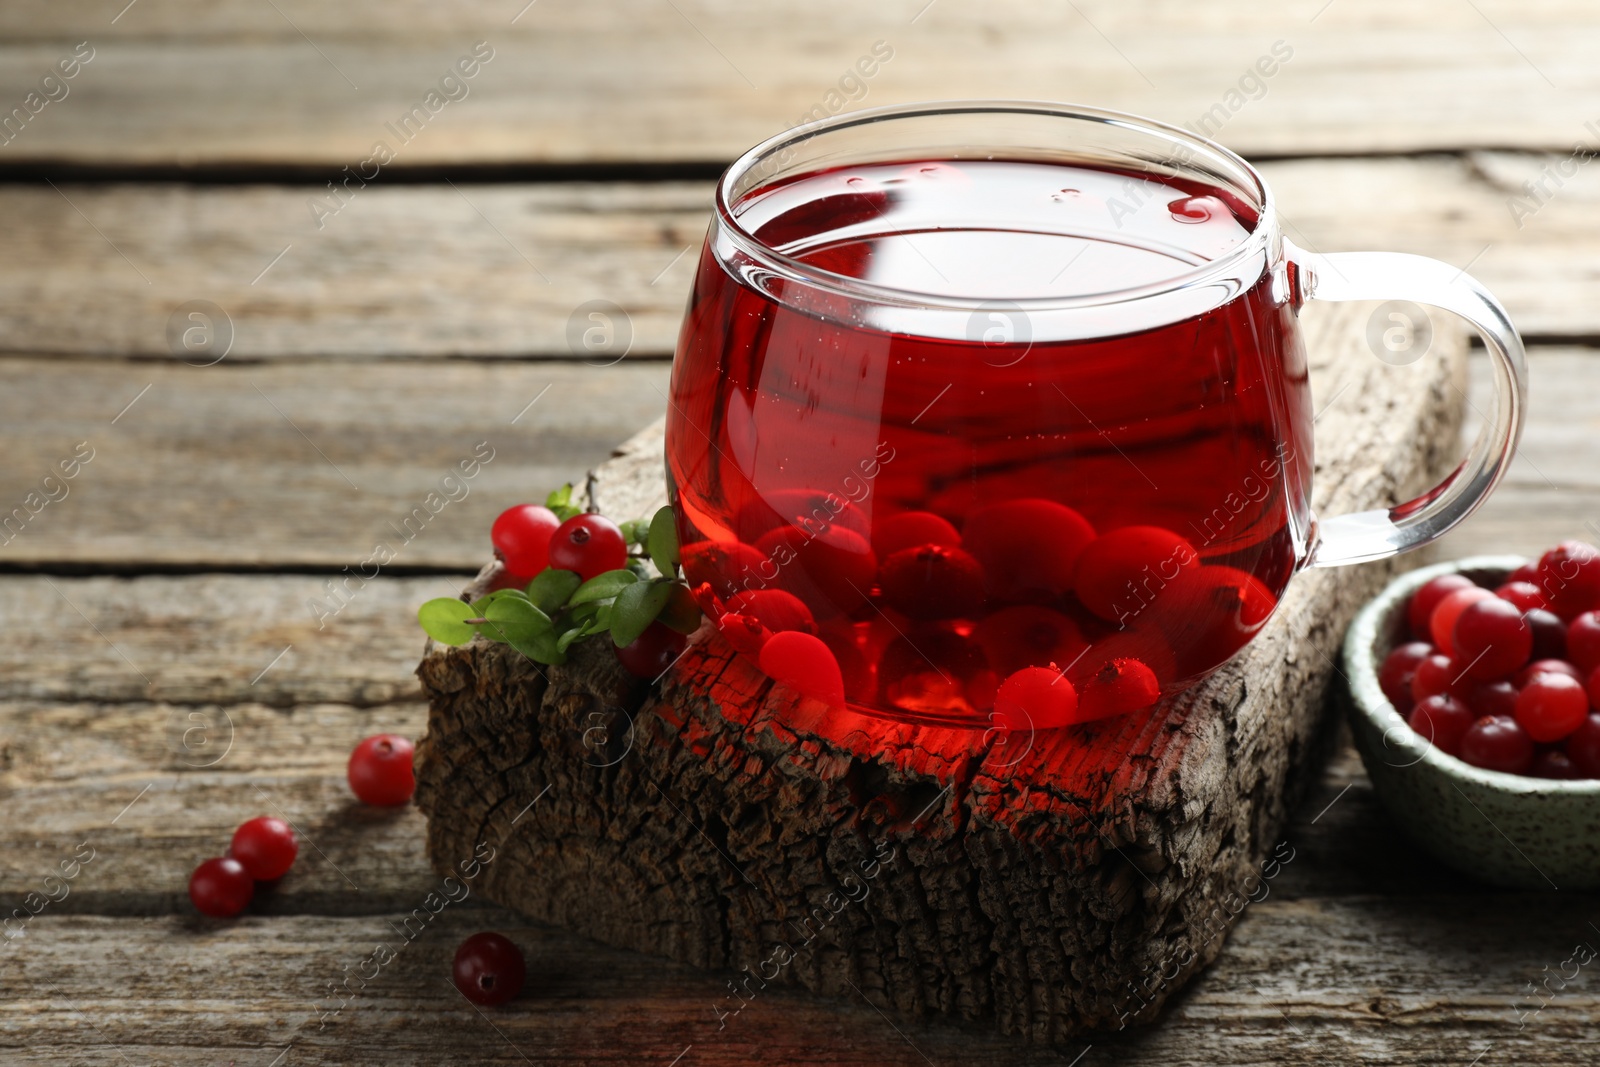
{"x":681,"y":613}
{"x":603,"y":586}
{"x":445,"y":620}
{"x":552,"y":588}
{"x":636,"y":607}
{"x":525,"y":628}
{"x":664,"y":542}
{"x":484,"y":601}
{"x":560,"y":502}
{"x":564,"y":642}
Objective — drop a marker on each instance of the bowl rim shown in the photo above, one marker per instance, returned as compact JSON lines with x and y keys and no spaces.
{"x":1361,"y":671}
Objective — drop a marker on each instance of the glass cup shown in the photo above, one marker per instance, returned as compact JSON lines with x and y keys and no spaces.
{"x":998,"y":413}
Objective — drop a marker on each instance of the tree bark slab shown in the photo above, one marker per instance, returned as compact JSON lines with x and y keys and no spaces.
{"x":1050,"y":886}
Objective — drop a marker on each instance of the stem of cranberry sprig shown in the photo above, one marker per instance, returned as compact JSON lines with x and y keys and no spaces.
{"x":560,"y":606}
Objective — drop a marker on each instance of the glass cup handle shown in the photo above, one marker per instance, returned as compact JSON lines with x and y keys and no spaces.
{"x":1371,"y":535}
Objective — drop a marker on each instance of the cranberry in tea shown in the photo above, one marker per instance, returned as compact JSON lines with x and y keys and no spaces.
{"x":958,"y":495}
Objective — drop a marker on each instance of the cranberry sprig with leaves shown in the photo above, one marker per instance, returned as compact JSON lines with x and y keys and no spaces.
{"x":593,"y":577}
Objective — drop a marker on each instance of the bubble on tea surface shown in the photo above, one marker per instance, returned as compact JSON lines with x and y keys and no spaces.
{"x":1193,"y":210}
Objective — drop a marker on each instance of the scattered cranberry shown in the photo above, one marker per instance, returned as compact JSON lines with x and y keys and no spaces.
{"x":652,"y":652}
{"x":932,"y":582}
{"x":489,"y":969}
{"x":221,"y":887}
{"x":1528,"y":572}
{"x":1027,"y":546}
{"x":831,"y":571}
{"x":1545,"y":666}
{"x":1497,"y":743}
{"x":805,"y":664}
{"x":911,"y":528}
{"x":588,"y":544}
{"x":1549,"y":634}
{"x":1399,"y":668}
{"x":380,"y":770}
{"x":521,"y":537}
{"x":1121,"y":686}
{"x":1583,"y":641}
{"x":1490,"y":640}
{"x":1552,"y":706}
{"x":266,"y":847}
{"x":1525,"y":595}
{"x":1424,"y":600}
{"x":1442,"y":623}
{"x":1569,"y":575}
{"x":1035,"y":698}
{"x":1583,"y":747}
{"x":1492,"y":698}
{"x":1553,"y":763}
{"x":1442,"y":720}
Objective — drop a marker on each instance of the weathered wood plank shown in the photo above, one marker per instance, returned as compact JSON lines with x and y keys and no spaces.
{"x":296,"y":465}
{"x":416,"y":270}
{"x":641,"y":81}
{"x":1305,"y":982}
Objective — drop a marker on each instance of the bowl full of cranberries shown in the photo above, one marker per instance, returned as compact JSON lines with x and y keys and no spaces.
{"x":1475,"y":703}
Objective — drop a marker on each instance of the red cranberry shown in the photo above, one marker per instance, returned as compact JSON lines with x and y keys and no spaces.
{"x":1545,"y":666}
{"x":221,"y":887}
{"x":1399,"y":667}
{"x":1497,"y":743}
{"x":1035,"y":698}
{"x":808,"y":511}
{"x":932,"y":582}
{"x":1490,"y":639}
{"x":1121,"y":573}
{"x":1551,"y":706}
{"x":744,"y":633}
{"x":1549,"y":634}
{"x":1439,"y":674}
{"x":936,"y":671}
{"x":910,"y":529}
{"x":380,"y":770}
{"x":489,"y":969}
{"x":1583,"y":747}
{"x":1209,"y":613}
{"x":776,"y":609}
{"x":1442,"y":623}
{"x":1424,"y":600}
{"x":1027,"y":547}
{"x":1553,"y":763}
{"x":805,"y":664}
{"x":1528,"y":572}
{"x":521,"y":537}
{"x":652,"y":652}
{"x":1569,"y":575}
{"x":588,"y":544}
{"x":1121,"y":686}
{"x":726,"y":566}
{"x":1492,"y":698}
{"x":831,"y":571}
{"x":1593,"y":686}
{"x":1442,"y":720}
{"x":1583,"y":641}
{"x":1525,"y":595}
{"x":1026,"y":635}
{"x":266,"y":847}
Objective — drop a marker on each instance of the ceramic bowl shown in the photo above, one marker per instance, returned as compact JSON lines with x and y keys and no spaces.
{"x":1526,"y":833}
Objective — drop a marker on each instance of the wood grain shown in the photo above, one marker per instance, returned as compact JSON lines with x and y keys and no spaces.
{"x":1302,"y":982}
{"x":494,"y":271}
{"x":238,"y":83}
{"x":297,"y":465}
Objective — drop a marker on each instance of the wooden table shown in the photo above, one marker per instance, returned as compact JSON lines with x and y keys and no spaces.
{"x":175,"y":660}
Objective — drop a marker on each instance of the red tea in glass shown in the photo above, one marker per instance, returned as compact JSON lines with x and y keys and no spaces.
{"x":1017,"y":430}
